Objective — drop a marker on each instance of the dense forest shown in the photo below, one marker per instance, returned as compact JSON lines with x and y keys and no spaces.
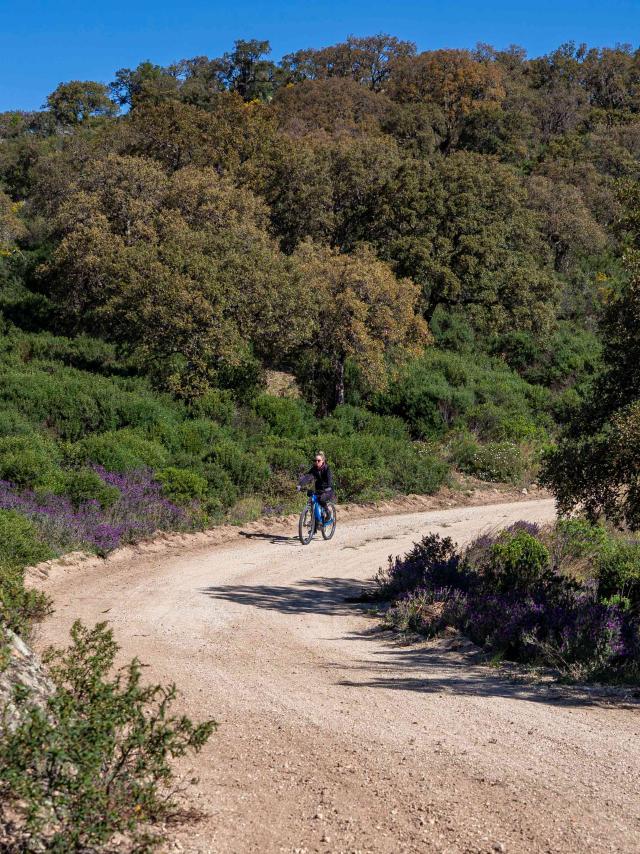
{"x":421,"y":247}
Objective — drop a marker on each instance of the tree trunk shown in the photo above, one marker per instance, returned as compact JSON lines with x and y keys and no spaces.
{"x":340,"y":383}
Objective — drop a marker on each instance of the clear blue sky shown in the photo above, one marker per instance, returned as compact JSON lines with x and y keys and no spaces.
{"x":44,"y":42}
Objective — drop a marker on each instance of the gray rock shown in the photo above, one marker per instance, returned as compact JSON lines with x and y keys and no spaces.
{"x":24,"y":668}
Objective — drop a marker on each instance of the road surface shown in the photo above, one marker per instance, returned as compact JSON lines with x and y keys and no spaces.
{"x":335,"y":737}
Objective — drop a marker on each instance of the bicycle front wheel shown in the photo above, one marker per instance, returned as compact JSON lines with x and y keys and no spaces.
{"x":306,"y":525}
{"x":329,"y":527}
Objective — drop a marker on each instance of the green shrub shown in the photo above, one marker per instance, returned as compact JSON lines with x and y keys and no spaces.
{"x":84,"y":485}
{"x":181,"y":486}
{"x":118,"y":450}
{"x":13,"y":423}
{"x":492,"y":423}
{"x":25,"y":460}
{"x":95,"y":761}
{"x":222,"y":492}
{"x":413,"y":469}
{"x":245,"y":510}
{"x":517,"y":561}
{"x":193,"y":437}
{"x":216,"y":404}
{"x":287,"y":455}
{"x":247,"y":470}
{"x":346,"y":420}
{"x":357,"y":481}
{"x":285,"y":416}
{"x":18,"y":606}
{"x":442,"y":390}
{"x":576,"y":539}
{"x":20,"y":546}
{"x":75,"y":403}
{"x":89,"y":354}
{"x":20,"y":542}
{"x":618,"y":567}
{"x":495,"y":461}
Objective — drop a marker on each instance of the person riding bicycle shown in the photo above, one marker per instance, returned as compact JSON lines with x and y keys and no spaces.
{"x":322,"y":476}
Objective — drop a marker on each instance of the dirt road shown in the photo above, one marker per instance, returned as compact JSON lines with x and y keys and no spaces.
{"x":335,"y":738}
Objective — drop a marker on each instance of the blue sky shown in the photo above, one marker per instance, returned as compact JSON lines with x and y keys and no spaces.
{"x":44,"y":42}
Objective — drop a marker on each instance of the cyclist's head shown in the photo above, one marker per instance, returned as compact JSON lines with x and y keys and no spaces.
{"x":320,"y":458}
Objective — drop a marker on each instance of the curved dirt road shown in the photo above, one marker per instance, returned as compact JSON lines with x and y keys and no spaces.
{"x":336,"y":738}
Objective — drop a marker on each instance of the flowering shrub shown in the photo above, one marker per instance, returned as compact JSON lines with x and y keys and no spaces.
{"x":138,"y":511}
{"x":507,"y":593}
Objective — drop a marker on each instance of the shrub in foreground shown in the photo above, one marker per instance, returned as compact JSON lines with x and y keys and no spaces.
{"x":96,"y":760}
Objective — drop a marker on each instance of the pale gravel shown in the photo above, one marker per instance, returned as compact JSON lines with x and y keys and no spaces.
{"x":334,"y":737}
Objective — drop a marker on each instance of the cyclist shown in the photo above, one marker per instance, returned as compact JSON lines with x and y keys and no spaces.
{"x":322,"y":476}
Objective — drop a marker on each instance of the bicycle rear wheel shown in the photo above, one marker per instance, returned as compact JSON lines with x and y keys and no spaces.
{"x":306,"y":525}
{"x":329,"y":528}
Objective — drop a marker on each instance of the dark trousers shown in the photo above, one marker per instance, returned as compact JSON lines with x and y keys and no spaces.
{"x":324,"y":496}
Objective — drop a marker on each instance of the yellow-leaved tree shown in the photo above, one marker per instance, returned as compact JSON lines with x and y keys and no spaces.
{"x":362,"y":313}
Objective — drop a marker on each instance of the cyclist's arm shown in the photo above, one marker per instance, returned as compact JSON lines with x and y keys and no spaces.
{"x":329,"y":479}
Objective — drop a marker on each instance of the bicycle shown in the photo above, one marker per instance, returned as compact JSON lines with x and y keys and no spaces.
{"x":312,"y":518}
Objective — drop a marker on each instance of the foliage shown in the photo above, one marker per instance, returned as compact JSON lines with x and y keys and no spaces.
{"x":21,"y":544}
{"x":596,"y":462}
{"x":503,"y":462}
{"x":78,"y":100}
{"x":443,"y":390}
{"x":366,"y":312}
{"x":515,"y":592}
{"x":96,"y":759}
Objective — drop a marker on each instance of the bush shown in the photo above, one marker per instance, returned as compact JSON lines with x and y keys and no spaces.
{"x":413,"y":469}
{"x":246,"y":470}
{"x":285,"y":416}
{"x":442,"y":390}
{"x":618,"y":567}
{"x":502,"y":592}
{"x":86,"y":485}
{"x":434,"y":562}
{"x":26,"y":460}
{"x":20,"y":542}
{"x":216,"y":404}
{"x":75,"y":403}
{"x":518,"y":561}
{"x":346,"y":420}
{"x":13,"y":423}
{"x":20,"y":546}
{"x":495,"y":461}
{"x":182,"y":486}
{"x":96,"y":760}
{"x":89,"y":354}
{"x":118,"y":450}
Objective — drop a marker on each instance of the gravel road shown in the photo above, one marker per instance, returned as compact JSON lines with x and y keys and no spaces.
{"x":334,"y":737}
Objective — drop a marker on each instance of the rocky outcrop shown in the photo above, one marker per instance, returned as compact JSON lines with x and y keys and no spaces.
{"x":23,"y":667}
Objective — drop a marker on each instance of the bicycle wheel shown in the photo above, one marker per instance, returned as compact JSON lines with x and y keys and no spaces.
{"x":306,"y":526}
{"x":329,"y":528}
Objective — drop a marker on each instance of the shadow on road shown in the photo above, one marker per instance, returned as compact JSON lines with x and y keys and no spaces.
{"x":446,"y":666}
{"x":314,"y":596}
{"x":276,"y":539}
{"x":438,"y":667}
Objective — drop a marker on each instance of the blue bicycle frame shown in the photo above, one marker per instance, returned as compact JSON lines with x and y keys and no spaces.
{"x":317,"y":510}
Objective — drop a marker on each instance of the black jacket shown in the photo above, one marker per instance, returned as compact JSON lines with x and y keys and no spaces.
{"x":323,"y":477}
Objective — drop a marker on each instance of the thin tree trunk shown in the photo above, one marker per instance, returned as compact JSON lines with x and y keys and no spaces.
{"x":340,"y":383}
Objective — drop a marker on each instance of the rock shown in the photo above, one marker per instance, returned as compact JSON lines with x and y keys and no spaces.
{"x":525,"y":491}
{"x":23,"y":668}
